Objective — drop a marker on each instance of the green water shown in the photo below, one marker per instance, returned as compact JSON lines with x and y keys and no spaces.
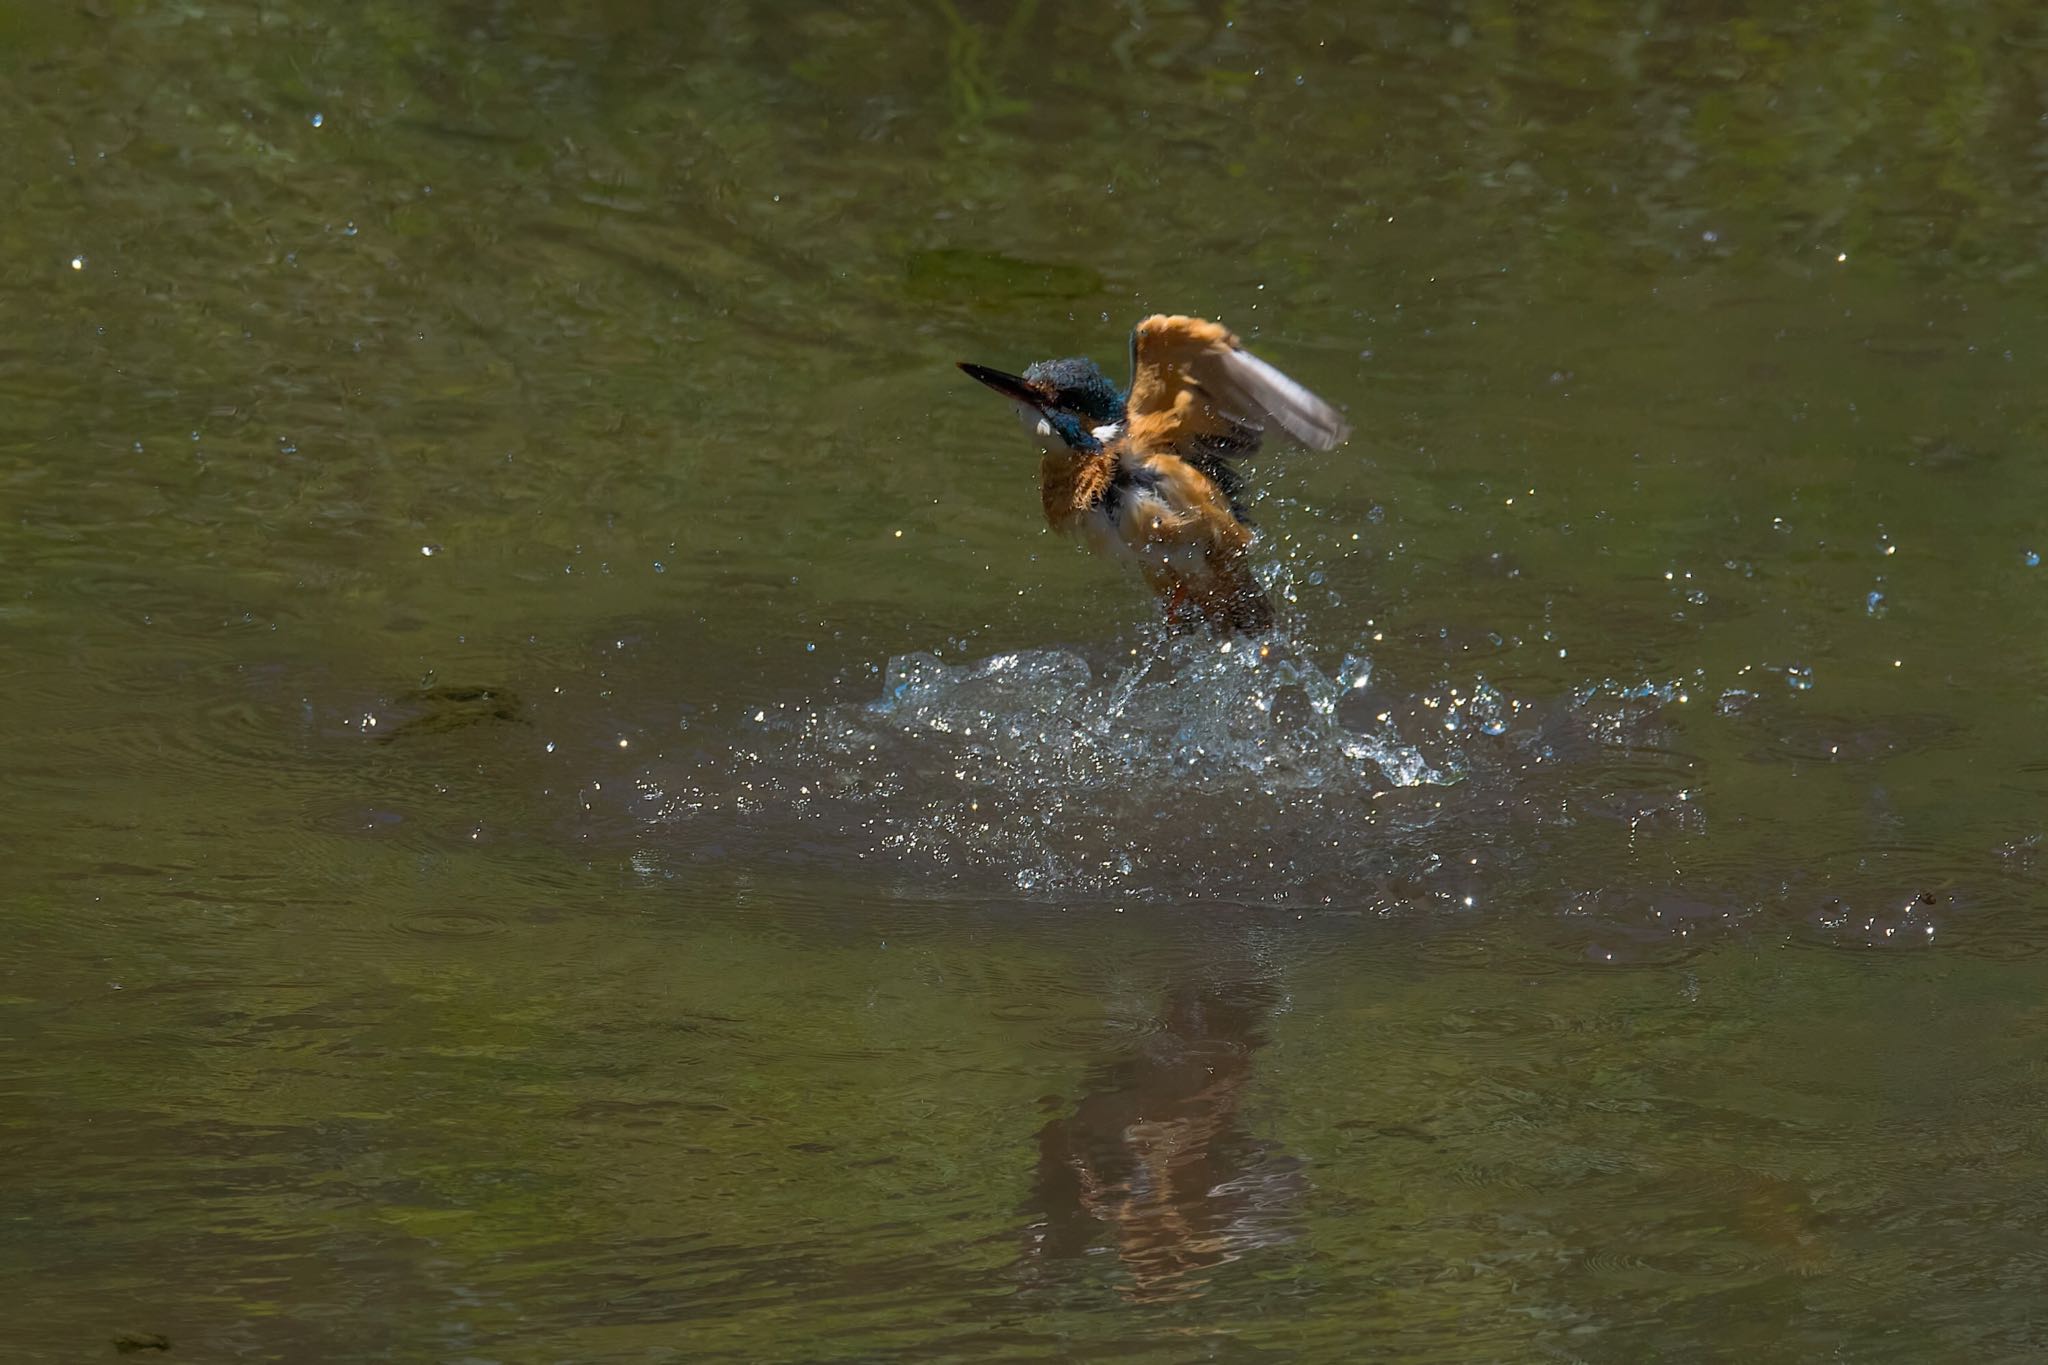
{"x":560,"y":804}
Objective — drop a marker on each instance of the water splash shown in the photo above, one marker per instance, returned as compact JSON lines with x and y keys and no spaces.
{"x":1183,"y":771}
{"x":1228,"y":718}
{"x":1184,"y":767}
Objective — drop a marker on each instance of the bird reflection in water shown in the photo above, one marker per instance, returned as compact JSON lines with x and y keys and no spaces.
{"x":1155,"y":1159}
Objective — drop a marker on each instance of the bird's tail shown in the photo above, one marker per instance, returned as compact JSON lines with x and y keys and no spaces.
{"x":1251,"y":611}
{"x":1230,"y":603}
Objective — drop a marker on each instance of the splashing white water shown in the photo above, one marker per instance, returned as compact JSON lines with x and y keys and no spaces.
{"x":1186,"y":768}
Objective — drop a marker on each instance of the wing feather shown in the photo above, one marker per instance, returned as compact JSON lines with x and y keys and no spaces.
{"x":1253,"y":387}
{"x":1197,"y":391}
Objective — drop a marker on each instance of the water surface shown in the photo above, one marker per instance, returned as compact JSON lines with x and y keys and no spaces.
{"x":562,"y":805}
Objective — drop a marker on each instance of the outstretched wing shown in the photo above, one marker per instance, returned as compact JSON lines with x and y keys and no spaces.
{"x":1196,"y":392}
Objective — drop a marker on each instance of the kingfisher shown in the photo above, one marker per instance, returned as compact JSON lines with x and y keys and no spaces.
{"x":1150,"y":475}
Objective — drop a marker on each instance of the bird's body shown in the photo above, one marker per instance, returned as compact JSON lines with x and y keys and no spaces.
{"x":1167,"y":519}
{"x":1149,"y":476}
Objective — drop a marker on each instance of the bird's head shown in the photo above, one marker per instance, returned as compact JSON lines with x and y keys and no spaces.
{"x":1070,"y":401}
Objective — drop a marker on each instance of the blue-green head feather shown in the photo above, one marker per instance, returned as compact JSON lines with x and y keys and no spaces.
{"x":1077,"y":384}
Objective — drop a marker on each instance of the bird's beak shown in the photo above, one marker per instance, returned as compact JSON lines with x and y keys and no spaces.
{"x":1010,"y":386}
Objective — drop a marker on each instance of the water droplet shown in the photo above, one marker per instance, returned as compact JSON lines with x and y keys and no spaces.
{"x":2032,"y":559}
{"x":317,"y":119}
{"x":78,"y":262}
